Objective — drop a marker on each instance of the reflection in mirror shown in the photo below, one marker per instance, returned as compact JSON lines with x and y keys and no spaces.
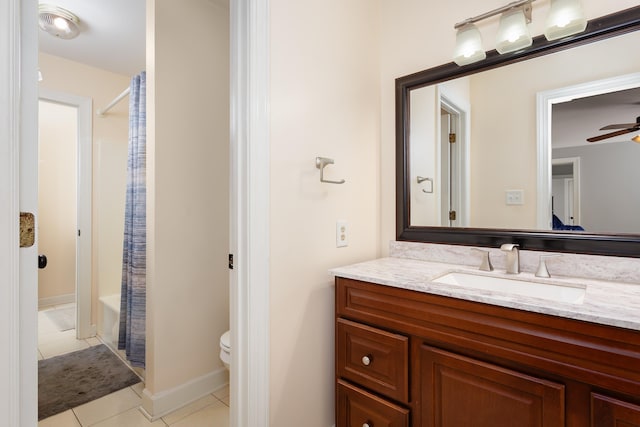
{"x":497,"y":178}
{"x":439,"y":154}
{"x":595,"y":171}
{"x":488,"y":177}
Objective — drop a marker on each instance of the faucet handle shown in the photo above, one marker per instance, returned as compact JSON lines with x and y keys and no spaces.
{"x":485,"y":264}
{"x":509,"y":246}
{"x":542,"y":266}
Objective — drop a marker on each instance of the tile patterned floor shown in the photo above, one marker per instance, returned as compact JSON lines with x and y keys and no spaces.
{"x":120,"y":409}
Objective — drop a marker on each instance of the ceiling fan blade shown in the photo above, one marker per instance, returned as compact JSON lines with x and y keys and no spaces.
{"x":611,"y":134}
{"x":619,"y":126}
{"x":623,"y":125}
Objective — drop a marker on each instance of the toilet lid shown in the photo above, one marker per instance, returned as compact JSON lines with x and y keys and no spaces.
{"x":225,"y":340}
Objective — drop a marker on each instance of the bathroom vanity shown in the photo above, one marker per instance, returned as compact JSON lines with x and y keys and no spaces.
{"x":413,"y":352}
{"x":431,"y":341}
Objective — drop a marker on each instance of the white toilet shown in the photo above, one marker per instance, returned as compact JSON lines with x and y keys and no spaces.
{"x":225,"y":348}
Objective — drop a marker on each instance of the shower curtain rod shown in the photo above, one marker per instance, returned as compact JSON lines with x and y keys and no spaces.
{"x":117,"y":99}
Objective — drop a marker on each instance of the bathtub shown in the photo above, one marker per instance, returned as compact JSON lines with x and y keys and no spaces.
{"x":110,"y":319}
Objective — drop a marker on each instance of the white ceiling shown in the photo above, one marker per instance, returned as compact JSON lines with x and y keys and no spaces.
{"x":112,"y":34}
{"x":577,"y":120}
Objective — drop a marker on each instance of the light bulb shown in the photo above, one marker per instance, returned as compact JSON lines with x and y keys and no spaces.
{"x":513,"y":33}
{"x":468,"y":46}
{"x":565,"y":18}
{"x":61,"y":23}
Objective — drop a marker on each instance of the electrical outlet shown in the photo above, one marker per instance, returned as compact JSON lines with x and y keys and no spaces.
{"x":515,"y":197}
{"x":342,"y":233}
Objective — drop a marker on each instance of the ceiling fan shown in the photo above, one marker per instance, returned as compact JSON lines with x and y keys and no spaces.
{"x":623,"y":128}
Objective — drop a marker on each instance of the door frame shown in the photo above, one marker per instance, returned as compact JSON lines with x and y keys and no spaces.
{"x":461,"y":176}
{"x":250,"y":226}
{"x":249,"y":213}
{"x":544,"y":104}
{"x":9,"y":213}
{"x":84,"y":145}
{"x":18,"y":184}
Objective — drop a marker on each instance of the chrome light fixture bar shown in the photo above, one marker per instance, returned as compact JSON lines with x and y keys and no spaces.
{"x":565,"y":18}
{"x":494,"y":12}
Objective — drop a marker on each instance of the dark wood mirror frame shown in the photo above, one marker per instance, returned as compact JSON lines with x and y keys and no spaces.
{"x":612,"y":25}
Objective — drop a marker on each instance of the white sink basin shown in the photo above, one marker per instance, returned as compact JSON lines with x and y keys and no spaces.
{"x":550,"y":291}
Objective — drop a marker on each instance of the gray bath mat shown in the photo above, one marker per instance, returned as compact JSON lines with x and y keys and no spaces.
{"x":72,"y":379}
{"x":63,"y":318}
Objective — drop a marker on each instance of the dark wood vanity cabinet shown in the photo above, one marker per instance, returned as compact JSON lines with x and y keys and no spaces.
{"x":411,"y":359}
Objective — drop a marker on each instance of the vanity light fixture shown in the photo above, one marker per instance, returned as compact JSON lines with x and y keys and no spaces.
{"x":513,"y":33}
{"x":58,"y":22}
{"x":565,"y":18}
{"x":468,"y":45}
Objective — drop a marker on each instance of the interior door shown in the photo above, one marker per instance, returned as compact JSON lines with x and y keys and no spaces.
{"x":79,"y":234}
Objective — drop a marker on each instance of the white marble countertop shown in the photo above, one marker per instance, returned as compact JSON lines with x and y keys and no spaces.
{"x":608,"y":303}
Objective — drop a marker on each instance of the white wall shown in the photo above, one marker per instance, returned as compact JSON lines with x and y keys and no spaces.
{"x":417,"y":35}
{"x":110,"y":138}
{"x":324,"y":101}
{"x":609,"y":195}
{"x":504,"y":149}
{"x":333,"y":65}
{"x":425,"y":207}
{"x":187,"y":198}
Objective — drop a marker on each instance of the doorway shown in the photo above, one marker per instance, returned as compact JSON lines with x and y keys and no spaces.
{"x":544,"y":104}
{"x":453,"y":170}
{"x":64,"y":205}
{"x":565,"y":190}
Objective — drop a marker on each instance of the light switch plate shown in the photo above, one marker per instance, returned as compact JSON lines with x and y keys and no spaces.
{"x":342,"y":233}
{"x":514,"y":197}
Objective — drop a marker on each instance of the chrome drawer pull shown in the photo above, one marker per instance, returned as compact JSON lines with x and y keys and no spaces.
{"x":366,"y":361}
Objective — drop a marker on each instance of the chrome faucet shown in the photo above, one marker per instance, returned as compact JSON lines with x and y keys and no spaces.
{"x":513,"y":257}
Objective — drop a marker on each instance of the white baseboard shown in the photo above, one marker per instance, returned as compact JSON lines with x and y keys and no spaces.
{"x":57,"y":300}
{"x":160,"y":404}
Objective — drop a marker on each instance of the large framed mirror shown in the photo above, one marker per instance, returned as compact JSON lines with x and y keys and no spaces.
{"x":493,"y":152}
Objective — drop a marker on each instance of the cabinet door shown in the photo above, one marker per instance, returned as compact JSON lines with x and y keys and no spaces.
{"x":459,"y":391}
{"x":609,"y":412}
{"x":358,"y":408}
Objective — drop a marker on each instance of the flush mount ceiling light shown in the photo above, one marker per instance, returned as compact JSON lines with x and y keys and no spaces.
{"x":58,"y":22}
{"x":565,"y":19}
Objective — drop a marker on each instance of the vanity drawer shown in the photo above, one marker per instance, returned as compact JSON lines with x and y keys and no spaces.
{"x":373,"y":358}
{"x":358,"y":408}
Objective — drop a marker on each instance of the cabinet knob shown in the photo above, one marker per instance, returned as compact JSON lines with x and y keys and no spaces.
{"x":367,"y":425}
{"x":366,"y":361}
